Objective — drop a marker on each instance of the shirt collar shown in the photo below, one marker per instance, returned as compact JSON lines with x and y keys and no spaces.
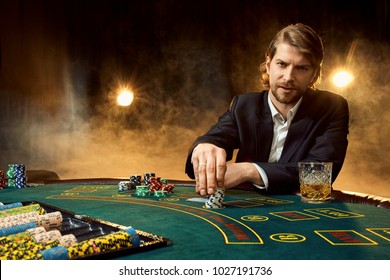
{"x":290,"y":113}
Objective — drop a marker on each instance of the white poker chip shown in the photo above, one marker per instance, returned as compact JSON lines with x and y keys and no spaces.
{"x":216,"y":200}
{"x":124,"y":185}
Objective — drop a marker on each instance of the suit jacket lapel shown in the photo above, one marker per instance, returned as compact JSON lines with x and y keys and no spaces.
{"x":264,"y":131}
{"x":298,"y":130}
{"x":296,"y":134}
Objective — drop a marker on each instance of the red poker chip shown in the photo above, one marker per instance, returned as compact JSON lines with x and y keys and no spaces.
{"x":156,"y":181}
{"x":167,"y":187}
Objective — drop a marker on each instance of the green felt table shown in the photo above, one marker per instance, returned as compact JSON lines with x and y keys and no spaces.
{"x":249,"y":226}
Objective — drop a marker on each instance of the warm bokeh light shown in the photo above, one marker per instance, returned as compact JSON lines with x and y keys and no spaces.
{"x":125,"y":97}
{"x":342,"y":78}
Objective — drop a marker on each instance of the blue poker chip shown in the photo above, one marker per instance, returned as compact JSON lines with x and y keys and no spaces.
{"x":55,"y":253}
{"x":11,"y":205}
{"x":19,"y":167}
{"x":21,"y":179}
{"x":20,"y":186}
{"x":135,"y":240}
{"x":16,"y":229}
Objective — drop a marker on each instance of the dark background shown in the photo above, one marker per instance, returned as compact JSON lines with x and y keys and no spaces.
{"x":61,"y":63}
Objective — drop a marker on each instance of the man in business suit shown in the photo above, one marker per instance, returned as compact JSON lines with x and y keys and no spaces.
{"x":274,"y":129}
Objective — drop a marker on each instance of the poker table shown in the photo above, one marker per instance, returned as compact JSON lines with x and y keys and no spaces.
{"x":248,"y":226}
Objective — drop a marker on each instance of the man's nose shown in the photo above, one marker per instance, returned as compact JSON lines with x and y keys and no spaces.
{"x":288,"y":75}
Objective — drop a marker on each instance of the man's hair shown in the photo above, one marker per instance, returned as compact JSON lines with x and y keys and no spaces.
{"x":304,"y":39}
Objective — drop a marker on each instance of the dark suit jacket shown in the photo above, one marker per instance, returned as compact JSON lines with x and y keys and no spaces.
{"x":318,"y":132}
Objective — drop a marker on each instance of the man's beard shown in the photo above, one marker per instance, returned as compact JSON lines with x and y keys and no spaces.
{"x":290,"y":98}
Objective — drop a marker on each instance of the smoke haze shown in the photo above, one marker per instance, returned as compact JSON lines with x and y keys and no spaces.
{"x":368,"y":162}
{"x":58,"y":108}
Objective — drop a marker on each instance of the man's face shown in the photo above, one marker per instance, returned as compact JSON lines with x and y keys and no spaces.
{"x":290,"y":73}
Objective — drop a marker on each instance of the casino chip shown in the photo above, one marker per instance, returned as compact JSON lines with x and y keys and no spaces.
{"x":124,"y":186}
{"x":135,"y":180}
{"x":216,"y":200}
{"x":10,"y":205}
{"x":142,"y":190}
{"x":41,"y":238}
{"x":151,"y":185}
{"x":16,"y":175}
{"x":2,"y":181}
{"x":147,"y":177}
{"x":160,"y":193}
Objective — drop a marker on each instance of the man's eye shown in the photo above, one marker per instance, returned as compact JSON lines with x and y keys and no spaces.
{"x":281,"y":64}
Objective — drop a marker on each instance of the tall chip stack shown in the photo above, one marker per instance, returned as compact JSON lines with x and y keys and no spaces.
{"x":16,"y":175}
{"x":147,"y":177}
{"x":2,"y":180}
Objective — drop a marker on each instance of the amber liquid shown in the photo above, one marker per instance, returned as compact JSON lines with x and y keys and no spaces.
{"x":315,"y":193}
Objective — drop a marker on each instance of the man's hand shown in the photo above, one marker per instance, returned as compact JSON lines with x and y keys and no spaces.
{"x":211,"y":170}
{"x":209,"y":162}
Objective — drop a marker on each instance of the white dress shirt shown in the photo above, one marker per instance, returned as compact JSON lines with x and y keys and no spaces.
{"x":281,"y":127}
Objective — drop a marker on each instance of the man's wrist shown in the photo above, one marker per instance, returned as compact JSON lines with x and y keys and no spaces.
{"x":261,"y":181}
{"x":251,"y":174}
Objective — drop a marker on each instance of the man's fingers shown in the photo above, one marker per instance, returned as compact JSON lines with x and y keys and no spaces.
{"x":209,"y":163}
{"x":201,"y":183}
{"x":211,"y":176}
{"x":220,"y":171}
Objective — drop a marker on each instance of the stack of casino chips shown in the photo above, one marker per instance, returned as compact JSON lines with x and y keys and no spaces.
{"x":12,"y":224}
{"x":167,"y":186}
{"x":18,"y":208}
{"x":151,"y":185}
{"x":142,"y":190}
{"x":216,"y":199}
{"x":44,"y":241}
{"x":135,"y":180}
{"x":6,"y":241}
{"x":147,"y":177}
{"x":124,"y":186}
{"x":114,"y":241}
{"x":154,"y":186}
{"x":159,"y":187}
{"x":10,"y":205}
{"x":2,"y":180}
{"x":16,"y":175}
{"x":31,"y":245}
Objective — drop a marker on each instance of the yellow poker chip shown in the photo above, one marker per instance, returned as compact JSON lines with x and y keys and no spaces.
{"x":38,"y":256}
{"x":74,"y":252}
{"x":85,"y":247}
{"x":17,"y":237}
{"x":78,"y":250}
{"x":23,"y":209}
{"x":100,"y":244}
{"x":19,"y":255}
{"x":29,"y":248}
